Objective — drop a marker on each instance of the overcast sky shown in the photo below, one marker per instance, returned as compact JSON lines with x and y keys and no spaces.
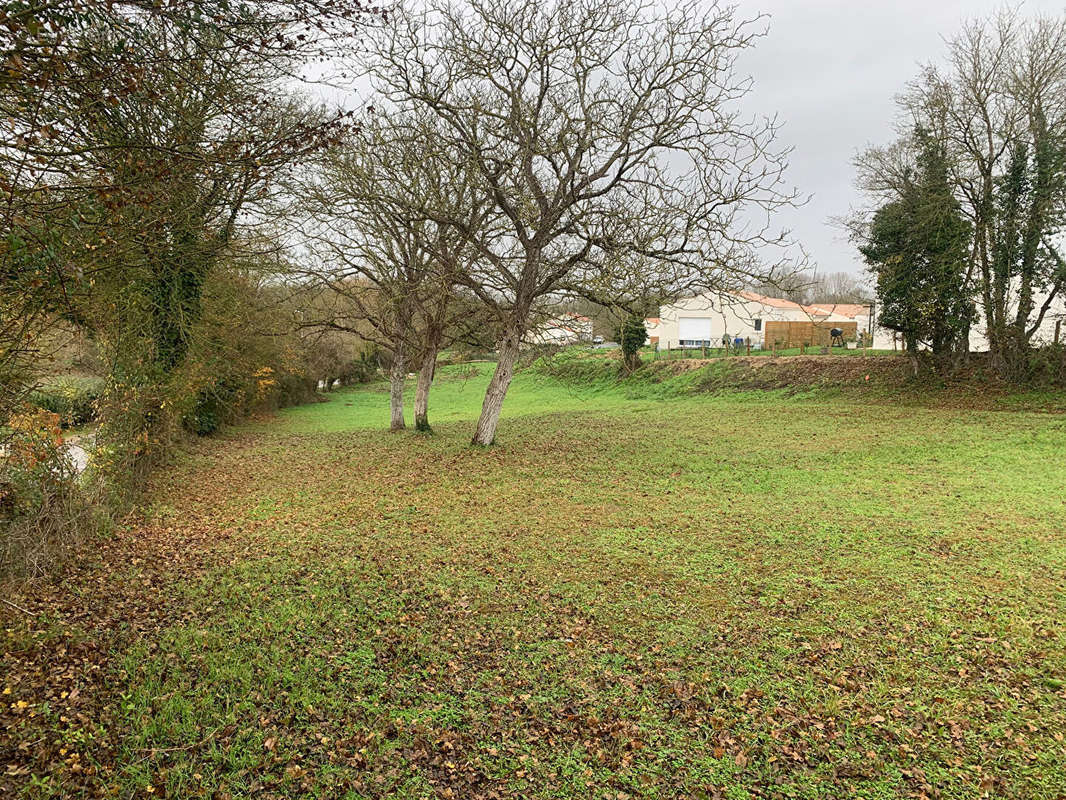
{"x":831,"y":70}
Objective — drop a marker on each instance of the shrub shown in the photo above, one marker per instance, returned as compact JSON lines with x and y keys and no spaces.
{"x":363,"y":368}
{"x":577,"y":365}
{"x":139,"y":423}
{"x":42,"y":505}
{"x":632,"y":337}
{"x":74,"y":400}
{"x":1047,"y":365}
{"x":220,"y":402}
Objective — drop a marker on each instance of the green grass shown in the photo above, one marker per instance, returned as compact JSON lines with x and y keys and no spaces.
{"x":456,"y":397}
{"x":719,"y":352}
{"x":639,"y":592}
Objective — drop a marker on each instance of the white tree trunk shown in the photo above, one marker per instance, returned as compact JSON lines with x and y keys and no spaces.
{"x":425,"y":380}
{"x":396,"y":378}
{"x":497,"y":391}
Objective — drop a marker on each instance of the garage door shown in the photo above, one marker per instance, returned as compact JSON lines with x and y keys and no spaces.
{"x":694,"y":329}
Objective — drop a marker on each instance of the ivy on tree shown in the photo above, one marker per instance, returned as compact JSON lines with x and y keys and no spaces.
{"x":632,"y":337}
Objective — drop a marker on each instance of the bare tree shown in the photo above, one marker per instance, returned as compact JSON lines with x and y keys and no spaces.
{"x":600,"y":131}
{"x":381,"y":253}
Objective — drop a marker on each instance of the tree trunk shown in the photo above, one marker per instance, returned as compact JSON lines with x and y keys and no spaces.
{"x":494,"y":395}
{"x":425,"y":380}
{"x":910,"y":344}
{"x":396,"y":378}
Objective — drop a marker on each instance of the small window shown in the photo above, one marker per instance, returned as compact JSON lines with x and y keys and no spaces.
{"x":758,"y":324}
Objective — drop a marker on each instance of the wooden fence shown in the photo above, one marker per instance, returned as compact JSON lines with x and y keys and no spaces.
{"x":794,"y":334}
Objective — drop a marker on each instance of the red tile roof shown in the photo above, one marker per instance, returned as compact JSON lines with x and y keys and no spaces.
{"x":844,"y":309}
{"x":773,"y":302}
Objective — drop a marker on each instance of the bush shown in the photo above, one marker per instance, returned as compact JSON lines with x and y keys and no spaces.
{"x":363,"y":368}
{"x":74,"y":400}
{"x":42,"y":505}
{"x":580,"y":366}
{"x":1047,"y":365}
{"x":216,"y":405}
{"x":632,"y":337}
{"x":139,"y":424}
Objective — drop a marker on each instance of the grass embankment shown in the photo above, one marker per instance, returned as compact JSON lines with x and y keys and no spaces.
{"x":839,"y":379}
{"x":637,"y":593}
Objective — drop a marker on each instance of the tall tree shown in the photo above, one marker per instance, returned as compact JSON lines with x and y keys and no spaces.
{"x":375,"y":205}
{"x":599,"y":132}
{"x":136,"y":137}
{"x":997,"y":109}
{"x":917,"y":246}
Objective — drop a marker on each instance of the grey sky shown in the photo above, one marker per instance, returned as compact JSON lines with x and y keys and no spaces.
{"x":831,"y":70}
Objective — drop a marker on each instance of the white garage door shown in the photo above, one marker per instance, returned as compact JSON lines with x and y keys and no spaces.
{"x":696,"y":329}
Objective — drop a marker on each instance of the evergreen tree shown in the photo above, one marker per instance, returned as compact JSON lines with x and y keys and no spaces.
{"x":632,"y":336}
{"x":917,"y":247}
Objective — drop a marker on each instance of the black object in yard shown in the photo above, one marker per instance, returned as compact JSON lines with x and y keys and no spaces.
{"x":837,"y":337}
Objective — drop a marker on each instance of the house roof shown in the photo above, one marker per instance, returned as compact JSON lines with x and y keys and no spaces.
{"x":773,"y":302}
{"x":844,"y":309}
{"x":814,"y":309}
{"x":652,"y":320}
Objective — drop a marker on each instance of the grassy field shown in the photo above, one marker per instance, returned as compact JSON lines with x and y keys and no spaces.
{"x":633,"y":594}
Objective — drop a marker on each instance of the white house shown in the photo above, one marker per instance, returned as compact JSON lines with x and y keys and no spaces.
{"x":1054,"y":322}
{"x":651,"y":325}
{"x":568,"y":328}
{"x":709,"y":318}
{"x":706,"y":319}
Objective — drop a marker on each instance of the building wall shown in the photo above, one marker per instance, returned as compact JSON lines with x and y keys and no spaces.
{"x":735,"y":317}
{"x":1045,"y":334}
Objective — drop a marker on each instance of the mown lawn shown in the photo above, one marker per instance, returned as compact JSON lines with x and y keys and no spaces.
{"x":742,"y":595}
